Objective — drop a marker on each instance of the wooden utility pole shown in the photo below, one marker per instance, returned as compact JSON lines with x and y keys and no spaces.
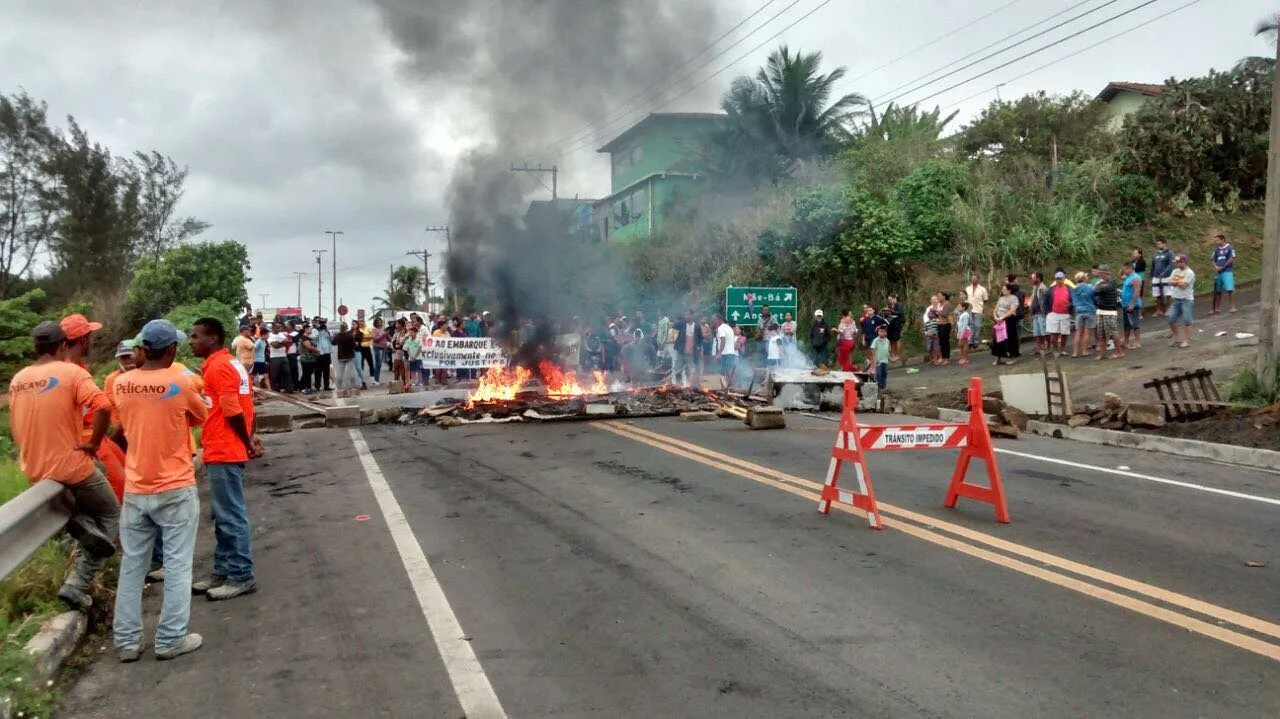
{"x":554,"y":170}
{"x":299,"y":275}
{"x":448,"y":242}
{"x":1268,"y":337}
{"x":426,"y":276}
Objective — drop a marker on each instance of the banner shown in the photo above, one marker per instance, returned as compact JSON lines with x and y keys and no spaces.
{"x":461,"y":353}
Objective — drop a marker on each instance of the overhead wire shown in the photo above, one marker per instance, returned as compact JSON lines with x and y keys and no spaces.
{"x":1070,"y":55}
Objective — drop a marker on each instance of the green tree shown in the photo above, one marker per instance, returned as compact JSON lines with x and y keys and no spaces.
{"x":1205,"y":137}
{"x":402,"y":289}
{"x":18,"y":316}
{"x":161,"y":185}
{"x":1067,"y":128}
{"x":26,"y":214}
{"x":925,"y":197}
{"x":784,"y":115}
{"x":885,"y":149}
{"x":98,"y":207}
{"x":184,"y":316}
{"x":187,"y":275}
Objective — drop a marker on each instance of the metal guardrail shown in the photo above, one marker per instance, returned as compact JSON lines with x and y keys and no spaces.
{"x":28,"y":521}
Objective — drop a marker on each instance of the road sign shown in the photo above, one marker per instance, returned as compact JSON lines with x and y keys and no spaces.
{"x":342,"y":310}
{"x":742,"y":304}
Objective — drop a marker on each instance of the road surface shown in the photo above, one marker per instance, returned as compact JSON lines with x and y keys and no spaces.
{"x":669,"y":569}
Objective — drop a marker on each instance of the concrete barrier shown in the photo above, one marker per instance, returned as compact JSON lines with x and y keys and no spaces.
{"x":342,"y":416}
{"x":272,"y":423}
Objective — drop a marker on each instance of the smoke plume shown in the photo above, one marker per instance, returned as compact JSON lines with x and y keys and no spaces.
{"x":536,"y":70}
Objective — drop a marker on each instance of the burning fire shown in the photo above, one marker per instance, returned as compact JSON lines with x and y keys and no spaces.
{"x":501,"y":384}
{"x":565,"y":384}
{"x":498,"y":384}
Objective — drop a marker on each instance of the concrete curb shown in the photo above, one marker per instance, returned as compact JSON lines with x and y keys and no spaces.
{"x":49,"y":648}
{"x":1230,"y":454}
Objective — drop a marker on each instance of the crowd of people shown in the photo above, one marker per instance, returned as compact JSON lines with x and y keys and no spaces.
{"x":125,"y":455}
{"x":305,"y":355}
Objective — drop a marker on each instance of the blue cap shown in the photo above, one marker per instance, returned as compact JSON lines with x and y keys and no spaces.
{"x":160,"y":334}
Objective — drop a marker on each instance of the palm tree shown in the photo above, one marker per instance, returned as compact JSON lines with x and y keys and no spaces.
{"x":1268,"y":354}
{"x":402,"y":289}
{"x":783,"y":115}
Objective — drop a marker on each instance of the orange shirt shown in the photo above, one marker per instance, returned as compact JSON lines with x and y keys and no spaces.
{"x":107,"y":384}
{"x":227,"y":386}
{"x":157,"y":409}
{"x":45,"y":402}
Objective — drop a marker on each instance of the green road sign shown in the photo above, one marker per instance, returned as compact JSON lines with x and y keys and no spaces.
{"x":742,"y":304}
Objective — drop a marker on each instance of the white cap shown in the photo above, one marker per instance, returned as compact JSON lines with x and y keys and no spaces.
{"x":817,"y":313}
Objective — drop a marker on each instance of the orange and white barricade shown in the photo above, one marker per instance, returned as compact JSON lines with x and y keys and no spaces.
{"x":853,"y":441}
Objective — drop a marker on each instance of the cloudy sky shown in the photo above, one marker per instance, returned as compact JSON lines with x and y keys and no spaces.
{"x":296,"y":118}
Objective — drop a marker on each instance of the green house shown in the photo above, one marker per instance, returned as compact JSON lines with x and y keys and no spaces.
{"x":1125,"y":98}
{"x":650,"y":164}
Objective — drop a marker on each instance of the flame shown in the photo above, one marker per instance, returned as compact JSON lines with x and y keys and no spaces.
{"x":498,"y":384}
{"x":560,"y":383}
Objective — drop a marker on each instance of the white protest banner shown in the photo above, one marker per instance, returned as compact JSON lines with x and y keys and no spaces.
{"x":461,"y":353}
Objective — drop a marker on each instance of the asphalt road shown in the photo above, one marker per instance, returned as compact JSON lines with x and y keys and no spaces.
{"x":669,"y":569}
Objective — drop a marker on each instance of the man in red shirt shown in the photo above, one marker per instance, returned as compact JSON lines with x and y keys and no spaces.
{"x":228,"y":444}
{"x":1058,"y":320}
{"x":46,"y":400}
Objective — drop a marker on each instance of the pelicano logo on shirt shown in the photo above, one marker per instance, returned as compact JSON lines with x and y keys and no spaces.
{"x":155,"y":391}
{"x":39,"y":386}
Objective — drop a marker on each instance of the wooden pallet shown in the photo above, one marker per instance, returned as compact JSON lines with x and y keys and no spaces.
{"x":1056,"y":394}
{"x":1188,"y":396}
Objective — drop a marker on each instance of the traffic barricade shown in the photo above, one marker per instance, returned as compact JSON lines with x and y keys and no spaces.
{"x":853,"y":441}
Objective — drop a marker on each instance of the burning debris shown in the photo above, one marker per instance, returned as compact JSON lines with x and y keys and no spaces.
{"x":507,"y":395}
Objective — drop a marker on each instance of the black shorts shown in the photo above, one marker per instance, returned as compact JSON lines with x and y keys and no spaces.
{"x":895,"y":331}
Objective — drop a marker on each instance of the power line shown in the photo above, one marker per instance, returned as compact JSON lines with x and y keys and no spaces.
{"x":588,"y":128}
{"x":1038,"y":50}
{"x":742,"y":57}
{"x":1001,"y":51}
{"x":934,"y":41}
{"x":1086,"y":48}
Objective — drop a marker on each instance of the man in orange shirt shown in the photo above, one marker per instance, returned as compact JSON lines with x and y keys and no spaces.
{"x":228,"y":444}
{"x":79,"y":332}
{"x":45,"y":401}
{"x":158,"y":405}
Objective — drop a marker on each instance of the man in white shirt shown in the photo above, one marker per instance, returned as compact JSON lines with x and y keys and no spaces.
{"x":725,"y":348}
{"x":277,"y":360}
{"x":977,"y":298}
{"x":1181,"y":287}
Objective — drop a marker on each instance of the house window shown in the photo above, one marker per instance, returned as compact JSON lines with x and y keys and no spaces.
{"x":637,"y":155}
{"x":619,"y":164}
{"x":629,"y":208}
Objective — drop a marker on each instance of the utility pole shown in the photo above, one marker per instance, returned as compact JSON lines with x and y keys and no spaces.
{"x":264,"y":296}
{"x":299,"y":275}
{"x":426,"y":275}
{"x":448,"y":241}
{"x":1268,"y":337}
{"x":319,"y":282}
{"x":555,"y":171}
{"x":334,"y":235}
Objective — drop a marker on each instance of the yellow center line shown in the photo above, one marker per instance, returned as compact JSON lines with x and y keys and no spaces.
{"x":763,"y":475}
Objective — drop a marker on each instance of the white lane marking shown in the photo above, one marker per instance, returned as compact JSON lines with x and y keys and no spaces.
{"x":1123,"y":472}
{"x":470,"y":683}
{"x":1147,"y":477}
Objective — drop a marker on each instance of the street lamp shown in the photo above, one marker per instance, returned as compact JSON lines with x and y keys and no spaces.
{"x":334,"y":235}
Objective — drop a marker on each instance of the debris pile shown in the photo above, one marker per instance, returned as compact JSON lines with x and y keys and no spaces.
{"x":1116,"y":414}
{"x":535,"y":406}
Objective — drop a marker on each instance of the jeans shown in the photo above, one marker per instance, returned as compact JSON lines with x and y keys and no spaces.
{"x":233,"y":551}
{"x":323,"y":364}
{"x":882,"y":374}
{"x":96,"y":507}
{"x":975,"y":322}
{"x":379,"y":359}
{"x":292,"y":359}
{"x":366,"y":357}
{"x":359,"y":370}
{"x":175,"y":516}
{"x":347,"y":375}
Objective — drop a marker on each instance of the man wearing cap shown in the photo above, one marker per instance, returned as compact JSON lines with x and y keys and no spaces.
{"x":228,"y":444}
{"x":1182,"y":294}
{"x":45,"y":403}
{"x":1058,"y":321}
{"x":158,"y":404}
{"x":79,"y":331}
{"x":114,"y":462}
{"x":819,"y":337}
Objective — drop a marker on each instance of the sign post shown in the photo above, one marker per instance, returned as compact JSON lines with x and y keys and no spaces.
{"x":742,"y":304}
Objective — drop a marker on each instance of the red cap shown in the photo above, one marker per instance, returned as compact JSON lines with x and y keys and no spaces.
{"x":77,"y":326}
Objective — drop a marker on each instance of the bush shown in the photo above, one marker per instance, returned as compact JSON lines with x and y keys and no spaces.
{"x":925,"y":197}
{"x":1130,"y":200}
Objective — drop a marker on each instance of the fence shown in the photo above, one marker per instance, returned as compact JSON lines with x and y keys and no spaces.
{"x":29,"y":520}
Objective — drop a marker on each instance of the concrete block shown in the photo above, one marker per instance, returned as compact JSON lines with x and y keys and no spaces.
{"x":697,"y":416}
{"x":342,"y":416}
{"x":766,"y":418}
{"x":368,"y":416}
{"x":55,"y":641}
{"x":272,"y":423}
{"x":314,"y":423}
{"x":1003,"y":430}
{"x":1015,"y":417}
{"x":395,"y":388}
{"x":1145,"y":415}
